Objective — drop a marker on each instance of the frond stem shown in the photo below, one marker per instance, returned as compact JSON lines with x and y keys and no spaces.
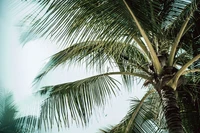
{"x":177,"y":40}
{"x":173,"y":82}
{"x":127,"y":73}
{"x":142,"y":46}
{"x":191,"y":71}
{"x":152,"y":52}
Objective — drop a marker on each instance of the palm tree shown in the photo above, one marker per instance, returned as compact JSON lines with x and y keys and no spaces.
{"x":146,"y":115}
{"x":143,"y":39}
{"x":187,"y":96}
{"x":9,"y":122}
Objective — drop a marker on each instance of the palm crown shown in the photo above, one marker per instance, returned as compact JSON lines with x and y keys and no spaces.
{"x":152,"y":40}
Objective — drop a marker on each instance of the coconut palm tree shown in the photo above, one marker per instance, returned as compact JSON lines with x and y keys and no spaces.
{"x":187,"y":96}
{"x":139,"y":38}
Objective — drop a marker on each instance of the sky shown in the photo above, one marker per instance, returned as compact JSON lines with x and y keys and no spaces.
{"x":20,"y":64}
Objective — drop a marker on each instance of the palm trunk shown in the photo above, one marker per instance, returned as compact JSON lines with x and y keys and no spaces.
{"x":171,"y":110}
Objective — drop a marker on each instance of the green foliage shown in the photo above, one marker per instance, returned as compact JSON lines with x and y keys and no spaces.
{"x":7,"y":114}
{"x":130,"y":36}
{"x":145,"y":115}
{"x":76,"y":100}
{"x":9,"y":122}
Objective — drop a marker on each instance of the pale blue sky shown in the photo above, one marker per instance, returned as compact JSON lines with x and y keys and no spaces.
{"x":19,"y":66}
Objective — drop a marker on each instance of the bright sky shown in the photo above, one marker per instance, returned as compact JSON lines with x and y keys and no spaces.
{"x":19,"y":66}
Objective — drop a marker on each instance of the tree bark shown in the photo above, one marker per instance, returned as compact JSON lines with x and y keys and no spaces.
{"x":171,"y":110}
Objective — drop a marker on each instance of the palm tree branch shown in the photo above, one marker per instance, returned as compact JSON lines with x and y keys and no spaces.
{"x":191,"y":71}
{"x":137,"y":110}
{"x":46,"y":88}
{"x":141,"y":44}
{"x":81,"y":21}
{"x":148,"y":43}
{"x":173,"y":82}
{"x":92,"y":53}
{"x":177,"y":40}
{"x":27,"y":123}
{"x":129,"y":73}
{"x":150,"y":113}
{"x":76,"y":100}
{"x":152,"y":12}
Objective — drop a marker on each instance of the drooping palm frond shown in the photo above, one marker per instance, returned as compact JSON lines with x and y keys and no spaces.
{"x":189,"y":103}
{"x":144,"y":116}
{"x":175,"y":11}
{"x":27,"y":124}
{"x":98,"y":54}
{"x":66,"y":19}
{"x":7,"y":114}
{"x":103,"y":19}
{"x":78,"y":21}
{"x":75,"y":101}
{"x":128,"y":63}
{"x":9,"y":122}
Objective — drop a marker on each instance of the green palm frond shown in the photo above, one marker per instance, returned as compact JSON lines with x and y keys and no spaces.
{"x":7,"y":114}
{"x":161,"y":14}
{"x":9,"y":122}
{"x":127,"y":64}
{"x":144,"y":116}
{"x":189,"y":103}
{"x":27,"y":124}
{"x":149,"y":45}
{"x":64,"y":20}
{"x":98,"y":54}
{"x":75,"y":101}
{"x":69,"y":22}
{"x":183,"y":58}
{"x":175,"y":11}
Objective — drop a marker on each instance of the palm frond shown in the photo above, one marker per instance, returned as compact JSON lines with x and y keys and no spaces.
{"x":189,"y":103}
{"x":67,"y":21}
{"x":9,"y":122}
{"x":177,"y":41}
{"x":27,"y":124}
{"x":75,"y":101}
{"x":7,"y":113}
{"x":174,"y":11}
{"x":187,"y":36}
{"x":182,"y":58}
{"x":98,"y":54}
{"x":147,"y":114}
{"x":107,"y":20}
{"x":152,"y":52}
{"x":173,"y":82}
